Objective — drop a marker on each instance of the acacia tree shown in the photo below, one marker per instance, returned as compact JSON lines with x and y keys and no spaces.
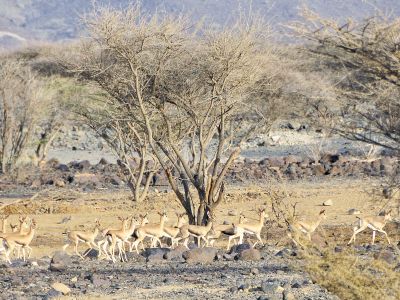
{"x":193,"y":95}
{"x":364,"y":58}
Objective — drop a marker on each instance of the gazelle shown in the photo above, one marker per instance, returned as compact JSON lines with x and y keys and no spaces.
{"x":119,"y":238}
{"x":173,"y":232}
{"x":105,"y":242}
{"x":227,"y":229}
{"x":87,"y":237}
{"x":4,"y":223}
{"x":155,"y":231}
{"x":22,"y":224}
{"x":376,"y":223}
{"x":22,"y":240}
{"x":249,"y":228}
{"x":198,"y":231}
{"x":306,"y":228}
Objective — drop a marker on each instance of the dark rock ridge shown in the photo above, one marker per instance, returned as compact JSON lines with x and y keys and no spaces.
{"x":85,"y":176}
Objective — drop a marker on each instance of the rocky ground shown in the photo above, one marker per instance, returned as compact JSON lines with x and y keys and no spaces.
{"x":204,"y":273}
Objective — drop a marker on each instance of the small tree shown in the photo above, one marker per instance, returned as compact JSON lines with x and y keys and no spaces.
{"x":20,"y":100}
{"x":193,"y":97}
{"x":364,"y":58}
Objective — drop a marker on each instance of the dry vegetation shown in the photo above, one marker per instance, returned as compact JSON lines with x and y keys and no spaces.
{"x":180,"y":97}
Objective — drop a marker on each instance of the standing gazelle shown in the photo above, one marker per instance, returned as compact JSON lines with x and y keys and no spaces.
{"x":376,"y":223}
{"x":22,"y":240}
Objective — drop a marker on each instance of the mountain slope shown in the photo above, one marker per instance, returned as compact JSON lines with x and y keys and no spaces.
{"x":48,"y":20}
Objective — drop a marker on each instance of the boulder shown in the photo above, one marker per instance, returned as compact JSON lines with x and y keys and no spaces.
{"x":250,"y":255}
{"x":60,"y":262}
{"x":240,"y":248}
{"x":155,"y":254}
{"x":386,"y":255}
{"x":200,"y":255}
{"x":86,"y":178}
{"x":276,"y":162}
{"x":92,"y":254}
{"x":59,"y":183}
{"x":62,"y":167}
{"x":155,"y":251}
{"x":175,"y":254}
{"x":318,"y":170}
{"x":328,"y":202}
{"x":97,"y":280}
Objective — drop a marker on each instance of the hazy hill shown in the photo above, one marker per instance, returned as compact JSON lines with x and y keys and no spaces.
{"x":52,"y":20}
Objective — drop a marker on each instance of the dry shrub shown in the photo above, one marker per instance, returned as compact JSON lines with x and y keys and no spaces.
{"x":352,"y":277}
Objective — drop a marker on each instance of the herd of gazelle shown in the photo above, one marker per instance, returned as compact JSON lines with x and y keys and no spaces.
{"x":118,"y":238}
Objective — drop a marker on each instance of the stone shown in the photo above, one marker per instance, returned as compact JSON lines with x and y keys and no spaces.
{"x":271,"y":287}
{"x":255,"y":271}
{"x":288,"y":295}
{"x":386,"y":255}
{"x":353,"y":211}
{"x":175,"y":254}
{"x":61,"y":287}
{"x":59,"y":183}
{"x":232,"y":212}
{"x":240,"y":248}
{"x":243,"y":286}
{"x":62,"y":167}
{"x":200,"y":255}
{"x":250,"y":255}
{"x":155,"y":251}
{"x":285,"y":252}
{"x":53,"y":294}
{"x":92,"y":254}
{"x":319,"y":170}
{"x":296,"y":285}
{"x":60,"y":261}
{"x":328,"y":202}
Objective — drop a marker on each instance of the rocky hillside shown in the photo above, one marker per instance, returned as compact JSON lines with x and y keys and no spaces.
{"x":24,"y":21}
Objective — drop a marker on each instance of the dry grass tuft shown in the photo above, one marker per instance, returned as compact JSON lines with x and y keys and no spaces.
{"x":352,"y":277}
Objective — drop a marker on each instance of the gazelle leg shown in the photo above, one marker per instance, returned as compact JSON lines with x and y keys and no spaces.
{"x":88,"y":250}
{"x":30,"y":251}
{"x":373,"y":237}
{"x":76,"y":250}
{"x":387,"y":237}
{"x":353,"y":238}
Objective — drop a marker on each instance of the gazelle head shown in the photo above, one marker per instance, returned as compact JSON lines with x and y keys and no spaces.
{"x":322,"y":214}
{"x":97,"y":224}
{"x":388,"y":215}
{"x":181,"y":219}
{"x":163,"y":216}
{"x":144,"y":219}
{"x":23,"y":221}
{"x":262,"y":212}
{"x":33,"y":224}
{"x":242,"y":218}
{"x":14,"y":227}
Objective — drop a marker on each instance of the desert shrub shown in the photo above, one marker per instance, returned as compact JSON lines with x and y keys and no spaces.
{"x":350,"y":276}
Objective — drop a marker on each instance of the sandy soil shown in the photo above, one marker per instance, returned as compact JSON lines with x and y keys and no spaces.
{"x":106,"y":206}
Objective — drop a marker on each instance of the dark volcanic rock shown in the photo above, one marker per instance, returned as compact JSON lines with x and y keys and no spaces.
{"x":60,"y":261}
{"x":250,"y":255}
{"x":240,"y":248}
{"x":200,"y":255}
